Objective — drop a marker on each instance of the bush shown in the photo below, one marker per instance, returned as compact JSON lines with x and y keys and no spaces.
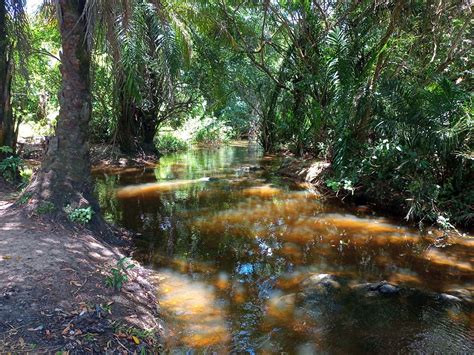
{"x":215,"y":133}
{"x":118,"y":275}
{"x":168,"y":143}
{"x":80,"y":215}
{"x":11,"y":165}
{"x":45,"y":207}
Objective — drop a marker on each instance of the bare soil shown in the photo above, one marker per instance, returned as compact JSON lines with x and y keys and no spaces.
{"x":53,"y":293}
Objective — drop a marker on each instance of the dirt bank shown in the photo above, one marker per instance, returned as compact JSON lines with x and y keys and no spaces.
{"x":53,"y":293}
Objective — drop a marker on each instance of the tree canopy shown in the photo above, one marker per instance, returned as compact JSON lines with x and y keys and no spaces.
{"x":380,"y":89}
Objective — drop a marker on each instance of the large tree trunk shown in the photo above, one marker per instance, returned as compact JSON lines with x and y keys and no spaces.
{"x":64,"y":177}
{"x":6,"y":117}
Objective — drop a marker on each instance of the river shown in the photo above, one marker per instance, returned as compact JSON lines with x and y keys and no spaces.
{"x":247,"y":261}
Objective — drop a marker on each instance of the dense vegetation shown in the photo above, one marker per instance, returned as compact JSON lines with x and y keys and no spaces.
{"x":380,"y":89}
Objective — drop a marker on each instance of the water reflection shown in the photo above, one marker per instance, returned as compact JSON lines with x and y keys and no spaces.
{"x":199,"y":320}
{"x":237,"y":248}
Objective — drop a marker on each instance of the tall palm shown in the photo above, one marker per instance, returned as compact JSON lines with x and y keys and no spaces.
{"x":64,"y":176}
{"x":151,"y":50}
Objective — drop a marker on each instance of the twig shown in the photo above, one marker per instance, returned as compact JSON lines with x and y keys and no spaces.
{"x":75,"y":292}
{"x":123,"y":346}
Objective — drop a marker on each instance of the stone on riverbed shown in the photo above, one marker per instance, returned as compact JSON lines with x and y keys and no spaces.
{"x":462,"y":294}
{"x":388,"y":289}
{"x":321,"y":283}
{"x":372,"y":289}
{"x":449,"y":298}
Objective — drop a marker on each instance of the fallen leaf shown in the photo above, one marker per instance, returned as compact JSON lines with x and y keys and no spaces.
{"x":66,"y":330}
{"x":135,"y":339}
{"x":75,"y":283}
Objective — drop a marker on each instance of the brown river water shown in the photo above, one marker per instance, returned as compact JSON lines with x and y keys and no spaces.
{"x":249,"y":262}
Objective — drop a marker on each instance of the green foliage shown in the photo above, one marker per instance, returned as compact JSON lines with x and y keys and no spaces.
{"x":45,"y":207}
{"x":80,"y":215}
{"x":35,"y":95}
{"x":150,"y":343}
{"x":25,"y":175}
{"x":6,"y":149}
{"x":10,"y":167}
{"x":334,"y":185}
{"x":381,"y":92}
{"x":168,"y":143}
{"x":214,"y":133}
{"x":24,"y":198}
{"x":118,"y":274}
{"x":338,"y":185}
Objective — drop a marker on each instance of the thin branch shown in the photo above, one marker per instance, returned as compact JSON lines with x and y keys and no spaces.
{"x":45,"y":52}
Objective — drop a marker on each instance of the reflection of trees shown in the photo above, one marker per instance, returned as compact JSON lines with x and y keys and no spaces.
{"x":104,"y":190}
{"x":197,"y":163}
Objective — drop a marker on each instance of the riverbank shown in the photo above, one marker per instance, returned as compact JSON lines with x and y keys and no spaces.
{"x":53,"y":293}
{"x":316,"y":174}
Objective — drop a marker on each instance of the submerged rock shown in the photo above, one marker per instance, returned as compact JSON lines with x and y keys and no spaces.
{"x":465,"y":295}
{"x":250,"y":168}
{"x":320,"y":283}
{"x":372,"y":289}
{"x":445,"y":297}
{"x":388,"y":289}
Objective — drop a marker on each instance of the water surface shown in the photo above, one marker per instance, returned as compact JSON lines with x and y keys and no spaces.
{"x":237,"y":249}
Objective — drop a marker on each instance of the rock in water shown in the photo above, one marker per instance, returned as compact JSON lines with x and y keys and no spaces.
{"x":388,"y":289}
{"x":321,"y":283}
{"x":449,"y":298}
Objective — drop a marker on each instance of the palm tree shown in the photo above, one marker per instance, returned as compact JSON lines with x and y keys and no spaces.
{"x":151,"y":49}
{"x":64,"y":176}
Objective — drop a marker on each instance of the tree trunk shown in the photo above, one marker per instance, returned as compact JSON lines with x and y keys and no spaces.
{"x":6,"y":116}
{"x":267,"y":128}
{"x":126,"y":130}
{"x":64,"y":177}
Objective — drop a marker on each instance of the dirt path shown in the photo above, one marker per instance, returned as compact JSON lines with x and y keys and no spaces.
{"x":53,"y":295}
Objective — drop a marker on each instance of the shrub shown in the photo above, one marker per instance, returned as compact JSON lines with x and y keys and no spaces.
{"x":215,"y":133}
{"x":167,"y":142}
{"x":25,"y":175}
{"x":25,"y":198}
{"x":80,"y":215}
{"x":11,"y":165}
{"x":6,"y":149}
{"x":45,"y":207}
{"x":118,"y":274}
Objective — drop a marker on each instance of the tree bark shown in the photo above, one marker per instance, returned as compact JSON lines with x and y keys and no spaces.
{"x":6,"y":116}
{"x":64,"y":177}
{"x":267,"y":126}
